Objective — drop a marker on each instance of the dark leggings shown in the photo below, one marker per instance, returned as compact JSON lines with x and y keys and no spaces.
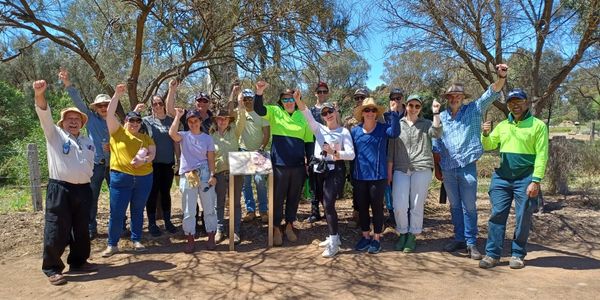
{"x":370,"y":194}
{"x":288,"y":189}
{"x":161,"y":187}
{"x":326,"y":190}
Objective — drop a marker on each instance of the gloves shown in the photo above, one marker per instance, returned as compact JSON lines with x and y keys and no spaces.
{"x":192,"y":178}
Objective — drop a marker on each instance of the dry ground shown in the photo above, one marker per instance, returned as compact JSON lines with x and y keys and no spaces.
{"x":564,"y":261}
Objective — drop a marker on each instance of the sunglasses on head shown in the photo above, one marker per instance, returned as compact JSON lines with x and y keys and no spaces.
{"x":135,"y":120}
{"x":202,"y":100}
{"x":327,"y":112}
{"x":370,"y":109}
{"x":396,"y":99}
{"x":287,"y":100}
{"x":321,"y":92}
{"x":158,"y":104}
{"x":417,"y":106}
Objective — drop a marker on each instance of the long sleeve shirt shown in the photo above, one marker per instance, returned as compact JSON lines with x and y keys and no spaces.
{"x":96,"y":126}
{"x":523,"y":147}
{"x":70,"y":158}
{"x":460,"y":143}
{"x":228,"y":142}
{"x":412,"y":150}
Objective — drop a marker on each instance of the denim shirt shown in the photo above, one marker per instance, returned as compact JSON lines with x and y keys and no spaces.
{"x":96,"y":127}
{"x":460,"y":143}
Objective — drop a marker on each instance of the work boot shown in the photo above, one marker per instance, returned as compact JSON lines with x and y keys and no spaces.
{"x":190,"y":244}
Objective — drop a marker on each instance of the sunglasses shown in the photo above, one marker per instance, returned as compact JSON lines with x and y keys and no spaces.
{"x":320,"y":92}
{"x":396,"y":99}
{"x":416,"y":106}
{"x":360,"y":98}
{"x":202,"y":100}
{"x":135,"y":120}
{"x":158,"y":104}
{"x":102,"y":105}
{"x":370,"y":110}
{"x":287,"y":100}
{"x":327,"y":112}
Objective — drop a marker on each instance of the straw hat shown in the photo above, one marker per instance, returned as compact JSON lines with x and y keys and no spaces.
{"x":100,"y":99}
{"x":456,"y":88}
{"x":369,"y":102}
{"x":63,"y":112}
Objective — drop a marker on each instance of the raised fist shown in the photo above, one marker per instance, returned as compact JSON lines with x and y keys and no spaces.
{"x":297,"y":95}
{"x":502,"y":70}
{"x":435,"y":106}
{"x":261,"y":85}
{"x":63,"y":75}
{"x":179,"y":112}
{"x":486,"y":128}
{"x":39,"y":87}
{"x":120,"y":90}
{"x":139,"y":107}
{"x":173,"y":84}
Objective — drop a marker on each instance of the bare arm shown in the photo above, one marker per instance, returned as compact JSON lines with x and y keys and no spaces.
{"x":111,"y":120}
{"x":170,"y":102}
{"x":502,"y":71}
{"x":266,"y":135}
{"x":211,"y":166}
{"x":174,"y":129}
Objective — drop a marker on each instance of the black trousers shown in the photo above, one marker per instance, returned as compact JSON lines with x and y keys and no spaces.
{"x":370,"y":195}
{"x":288,"y":183}
{"x":326,"y":190}
{"x":162,"y":181}
{"x":353,"y":183}
{"x":67,"y":217}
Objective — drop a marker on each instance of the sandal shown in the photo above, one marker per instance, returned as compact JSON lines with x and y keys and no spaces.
{"x":57,"y":279}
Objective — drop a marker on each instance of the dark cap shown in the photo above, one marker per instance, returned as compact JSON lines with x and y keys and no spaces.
{"x":248,"y":93}
{"x":133,"y":115}
{"x":286,"y":92}
{"x":516,"y":94}
{"x":322,"y":84}
{"x":414,"y":97}
{"x":361,"y":92}
{"x":193,"y":114}
{"x":327,"y":105}
{"x":202,"y":95}
{"x":396,"y":91}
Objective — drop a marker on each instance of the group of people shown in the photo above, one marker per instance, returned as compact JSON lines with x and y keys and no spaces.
{"x":393,"y":149}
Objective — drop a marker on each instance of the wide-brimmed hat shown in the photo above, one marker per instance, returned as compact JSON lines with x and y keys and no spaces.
{"x":368,"y":102}
{"x":456,"y":88}
{"x":101,"y":98}
{"x":84,"y":117}
{"x":223,"y":113}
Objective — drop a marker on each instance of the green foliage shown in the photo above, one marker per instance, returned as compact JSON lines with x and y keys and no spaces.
{"x":14,"y":199}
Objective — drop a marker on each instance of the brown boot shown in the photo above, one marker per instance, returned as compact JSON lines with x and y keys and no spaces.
{"x":277,"y":236}
{"x":211,"y":244}
{"x":190,"y":244}
{"x":289,"y":232}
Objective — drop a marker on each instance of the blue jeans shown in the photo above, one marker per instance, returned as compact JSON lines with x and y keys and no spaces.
{"x":101,"y":172}
{"x":261,"y":192}
{"x":461,"y":187}
{"x":502,"y":192}
{"x":127,"y":190}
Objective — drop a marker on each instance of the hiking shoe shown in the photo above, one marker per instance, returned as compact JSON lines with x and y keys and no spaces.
{"x":154,"y":230}
{"x":325,"y":242}
{"x":411,"y":243}
{"x":401,"y":241}
{"x":139,"y":247}
{"x":374,"y":247}
{"x":488,"y":262}
{"x":169,"y":227}
{"x":516,"y":263}
{"x":473,"y":252}
{"x":277,"y":237}
{"x":110,"y":250}
{"x":219,"y":237}
{"x":454,"y":246}
{"x":236,"y":239}
{"x":331,"y":250}
{"x":249,"y":217}
{"x":264,"y":216}
{"x":363,"y":244}
{"x":190,"y":244}
{"x":290,"y":234}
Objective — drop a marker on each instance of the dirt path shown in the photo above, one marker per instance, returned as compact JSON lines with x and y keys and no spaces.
{"x":564,"y":261}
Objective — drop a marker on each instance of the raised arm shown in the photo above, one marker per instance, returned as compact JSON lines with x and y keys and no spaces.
{"x":170,"y":101}
{"x":501,"y":71}
{"x":435,"y":130}
{"x":39,"y":88}
{"x":259,"y":107}
{"x":174,"y":129}
{"x":240,"y":120}
{"x":111,"y":120}
{"x":63,"y":75}
{"x":312,"y":123}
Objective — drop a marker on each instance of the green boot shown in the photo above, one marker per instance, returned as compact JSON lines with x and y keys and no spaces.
{"x":401,"y":241}
{"x":411,"y":243}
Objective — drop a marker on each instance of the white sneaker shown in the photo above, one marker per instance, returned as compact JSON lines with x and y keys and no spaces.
{"x":331,"y":250}
{"x":325,"y":243}
{"x":110,"y":250}
{"x":139,"y":247}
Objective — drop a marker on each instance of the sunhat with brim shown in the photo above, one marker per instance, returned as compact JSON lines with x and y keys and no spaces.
{"x":369,"y":102}
{"x":100,"y":99}
{"x":414,"y":97}
{"x":223,"y":113}
{"x":456,"y":89}
{"x":63,"y":112}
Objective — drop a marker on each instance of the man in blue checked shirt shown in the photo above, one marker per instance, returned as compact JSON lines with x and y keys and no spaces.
{"x":459,"y":149}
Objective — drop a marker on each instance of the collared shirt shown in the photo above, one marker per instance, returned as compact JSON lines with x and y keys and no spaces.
{"x":96,"y":126}
{"x":228,"y":142}
{"x":460,"y":143}
{"x":412,"y":150}
{"x":70,"y":158}
{"x":252,"y":136}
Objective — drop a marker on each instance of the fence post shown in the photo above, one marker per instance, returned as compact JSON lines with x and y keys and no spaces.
{"x":34,"y":176}
{"x":592,"y":132}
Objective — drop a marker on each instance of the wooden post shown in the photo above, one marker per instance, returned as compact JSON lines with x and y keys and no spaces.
{"x":271,"y":210}
{"x":593,"y":132}
{"x":34,"y":176}
{"x":231,"y":211}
